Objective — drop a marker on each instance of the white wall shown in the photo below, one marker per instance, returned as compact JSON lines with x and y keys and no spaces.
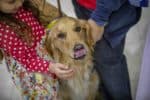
{"x":134,"y":47}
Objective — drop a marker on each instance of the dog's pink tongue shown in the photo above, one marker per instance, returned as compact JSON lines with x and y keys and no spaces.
{"x":80,"y":53}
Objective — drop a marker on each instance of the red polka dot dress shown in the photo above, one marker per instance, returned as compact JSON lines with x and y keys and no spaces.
{"x":29,"y":71}
{"x":15,"y":47}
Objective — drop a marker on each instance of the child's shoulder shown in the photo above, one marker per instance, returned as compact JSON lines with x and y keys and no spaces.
{"x":23,"y":11}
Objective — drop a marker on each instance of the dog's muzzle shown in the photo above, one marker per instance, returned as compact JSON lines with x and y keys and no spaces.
{"x":79,"y":51}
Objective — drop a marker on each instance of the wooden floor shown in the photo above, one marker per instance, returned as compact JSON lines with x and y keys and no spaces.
{"x":133,"y":49}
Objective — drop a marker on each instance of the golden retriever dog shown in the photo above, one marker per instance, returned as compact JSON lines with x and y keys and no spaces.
{"x":69,"y":41}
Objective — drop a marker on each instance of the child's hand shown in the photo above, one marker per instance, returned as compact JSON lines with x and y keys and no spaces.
{"x":61,"y":71}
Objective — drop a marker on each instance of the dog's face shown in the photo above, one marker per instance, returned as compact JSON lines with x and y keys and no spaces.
{"x":69,"y":37}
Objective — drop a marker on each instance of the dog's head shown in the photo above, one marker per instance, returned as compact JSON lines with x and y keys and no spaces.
{"x":69,"y":38}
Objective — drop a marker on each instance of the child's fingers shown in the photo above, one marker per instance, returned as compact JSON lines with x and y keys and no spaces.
{"x":62,"y":67}
{"x":63,"y":72}
{"x":66,"y":76}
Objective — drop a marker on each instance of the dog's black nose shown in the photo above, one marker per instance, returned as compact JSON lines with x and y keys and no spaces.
{"x":78,"y":47}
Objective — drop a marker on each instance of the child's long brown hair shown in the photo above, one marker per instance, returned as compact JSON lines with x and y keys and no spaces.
{"x":20,"y":28}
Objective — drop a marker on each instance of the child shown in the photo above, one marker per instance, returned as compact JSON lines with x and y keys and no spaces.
{"x":20,"y":34}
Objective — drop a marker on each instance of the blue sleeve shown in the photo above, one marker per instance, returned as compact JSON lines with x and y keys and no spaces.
{"x":139,"y":3}
{"x":103,"y":10}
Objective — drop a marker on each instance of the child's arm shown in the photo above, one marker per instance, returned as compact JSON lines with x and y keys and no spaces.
{"x":34,"y":63}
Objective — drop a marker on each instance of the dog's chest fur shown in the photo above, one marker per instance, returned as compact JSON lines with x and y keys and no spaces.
{"x":79,"y":87}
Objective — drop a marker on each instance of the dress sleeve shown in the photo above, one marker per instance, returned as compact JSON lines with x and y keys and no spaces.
{"x":20,"y":51}
{"x":32,"y":61}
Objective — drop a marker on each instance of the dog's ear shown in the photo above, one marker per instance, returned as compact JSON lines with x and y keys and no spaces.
{"x":88,"y":35}
{"x":50,"y":47}
{"x":48,"y":43}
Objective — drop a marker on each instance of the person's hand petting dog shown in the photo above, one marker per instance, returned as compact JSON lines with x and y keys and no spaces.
{"x":61,"y":71}
{"x":97,"y":31}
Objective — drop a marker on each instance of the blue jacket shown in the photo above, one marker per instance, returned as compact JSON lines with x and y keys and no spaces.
{"x":118,"y":16}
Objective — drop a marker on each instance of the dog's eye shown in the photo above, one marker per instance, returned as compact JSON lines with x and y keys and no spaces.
{"x":78,"y":29}
{"x":61,"y":35}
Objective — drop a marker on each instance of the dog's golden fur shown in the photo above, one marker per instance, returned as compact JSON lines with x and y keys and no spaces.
{"x":69,"y":42}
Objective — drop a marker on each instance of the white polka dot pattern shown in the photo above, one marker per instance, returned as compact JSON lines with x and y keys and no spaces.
{"x":18,"y":49}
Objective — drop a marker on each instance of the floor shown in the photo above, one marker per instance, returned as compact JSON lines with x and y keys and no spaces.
{"x":133,"y":50}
